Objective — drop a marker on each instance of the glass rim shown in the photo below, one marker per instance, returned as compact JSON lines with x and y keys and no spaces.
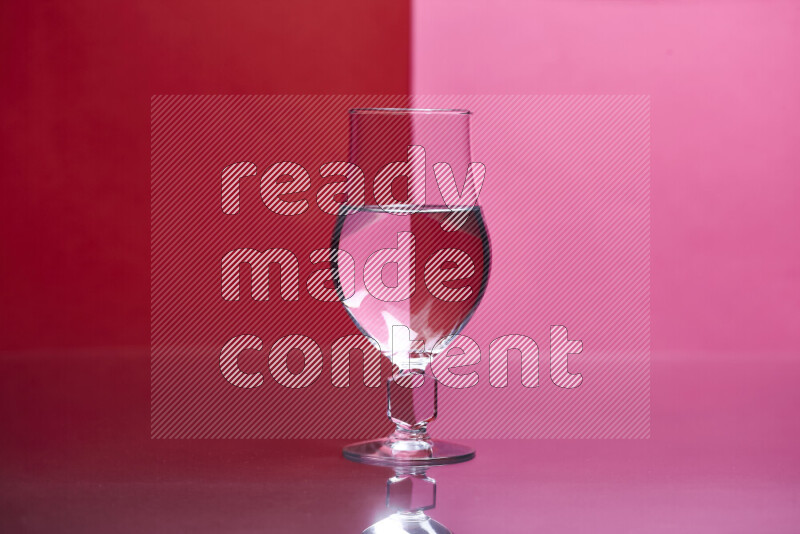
{"x":408,"y":208}
{"x":409,"y":111}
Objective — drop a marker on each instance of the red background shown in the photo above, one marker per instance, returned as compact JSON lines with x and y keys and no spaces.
{"x":77,"y":80}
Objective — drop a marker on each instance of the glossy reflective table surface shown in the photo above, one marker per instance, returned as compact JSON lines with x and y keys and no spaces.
{"x":723,"y":457}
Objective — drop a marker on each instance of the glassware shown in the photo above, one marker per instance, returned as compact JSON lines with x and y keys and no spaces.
{"x":413,"y":241}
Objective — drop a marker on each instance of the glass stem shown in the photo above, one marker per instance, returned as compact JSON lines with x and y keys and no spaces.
{"x":412,"y":403}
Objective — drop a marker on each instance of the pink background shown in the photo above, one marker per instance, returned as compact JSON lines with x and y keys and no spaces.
{"x":723,"y":79}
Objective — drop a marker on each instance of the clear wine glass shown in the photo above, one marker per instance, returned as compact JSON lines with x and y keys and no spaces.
{"x":422,"y":259}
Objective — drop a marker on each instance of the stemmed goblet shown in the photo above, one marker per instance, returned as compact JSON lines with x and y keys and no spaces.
{"x":422,"y":253}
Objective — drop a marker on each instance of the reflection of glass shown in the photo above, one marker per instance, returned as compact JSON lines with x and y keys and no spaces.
{"x":409,"y":494}
{"x":422,"y":268}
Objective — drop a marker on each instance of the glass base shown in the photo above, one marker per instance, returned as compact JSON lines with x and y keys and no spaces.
{"x":410,"y":523}
{"x":408,"y":453}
